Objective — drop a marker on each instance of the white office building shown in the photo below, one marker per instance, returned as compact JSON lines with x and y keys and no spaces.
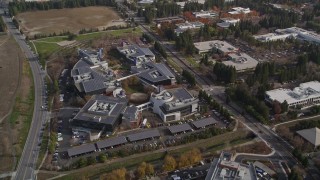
{"x":241,"y":61}
{"x":174,"y":104}
{"x":215,"y":46}
{"x":302,"y":34}
{"x":239,"y":10}
{"x":274,"y":37}
{"x":182,"y":27}
{"x":204,"y":14}
{"x":307,"y":94}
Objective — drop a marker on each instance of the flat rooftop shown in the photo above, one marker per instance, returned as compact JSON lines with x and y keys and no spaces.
{"x":222,"y":46}
{"x":102,"y":109}
{"x":144,"y":135}
{"x":241,"y":61}
{"x":179,"y":128}
{"x":303,"y":92}
{"x":78,"y":150}
{"x":204,"y":122}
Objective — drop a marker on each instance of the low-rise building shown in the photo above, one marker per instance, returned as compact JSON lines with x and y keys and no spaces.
{"x":227,"y":22}
{"x":274,"y":37}
{"x":136,"y":54}
{"x":91,"y":74}
{"x":227,"y":169}
{"x":239,"y":10}
{"x":241,"y":61}
{"x":204,"y":14}
{"x":100,"y":114}
{"x":174,"y":104}
{"x":307,"y":94}
{"x":81,"y":150}
{"x":182,"y":27}
{"x":144,"y":135}
{"x":302,"y":34}
{"x":203,"y":123}
{"x":179,"y":129}
{"x":131,"y":117}
{"x":154,"y":74}
{"x":312,"y":135}
{"x":215,"y":46}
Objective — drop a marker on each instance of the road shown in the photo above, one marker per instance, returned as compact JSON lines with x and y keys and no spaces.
{"x":29,"y":156}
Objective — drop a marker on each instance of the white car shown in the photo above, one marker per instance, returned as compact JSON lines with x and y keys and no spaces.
{"x":60,"y":139}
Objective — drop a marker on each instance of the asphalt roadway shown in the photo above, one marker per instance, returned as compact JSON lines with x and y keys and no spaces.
{"x":29,"y":156}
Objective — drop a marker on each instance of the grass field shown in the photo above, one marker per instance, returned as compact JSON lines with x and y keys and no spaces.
{"x":73,"y":20}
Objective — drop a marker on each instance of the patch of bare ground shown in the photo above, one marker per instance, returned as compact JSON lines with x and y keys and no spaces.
{"x":73,"y":20}
{"x":255,"y":148}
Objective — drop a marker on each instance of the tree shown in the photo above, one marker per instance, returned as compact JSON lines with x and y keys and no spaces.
{"x":284,"y":106}
{"x":91,"y":160}
{"x":71,"y":36}
{"x":141,"y":170}
{"x":82,"y":162}
{"x":118,"y":174}
{"x":149,"y":169}
{"x":276,"y":107}
{"x":102,"y":158}
{"x":169,"y":164}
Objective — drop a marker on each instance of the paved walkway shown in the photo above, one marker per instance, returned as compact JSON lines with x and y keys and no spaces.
{"x":301,"y":119}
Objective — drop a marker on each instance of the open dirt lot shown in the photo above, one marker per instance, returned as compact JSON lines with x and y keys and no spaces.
{"x":10,"y":64}
{"x":58,"y":20}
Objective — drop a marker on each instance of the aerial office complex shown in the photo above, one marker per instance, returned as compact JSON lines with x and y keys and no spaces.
{"x":174,"y":104}
{"x":204,"y":14}
{"x":91,"y":74}
{"x":239,"y":10}
{"x":227,"y":22}
{"x":100,"y":114}
{"x":154,"y":74}
{"x":307,"y":94}
{"x":136,"y":54}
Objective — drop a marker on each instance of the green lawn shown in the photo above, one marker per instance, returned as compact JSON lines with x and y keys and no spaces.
{"x":192,"y":61}
{"x":174,"y":65}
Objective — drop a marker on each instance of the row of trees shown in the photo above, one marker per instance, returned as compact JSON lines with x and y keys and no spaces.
{"x":225,"y":73}
{"x":185,"y":42}
{"x":261,"y":74}
{"x":2,"y":26}
{"x":292,"y":73}
{"x":252,"y":105}
{"x":189,"y":77}
{"x":83,"y":162}
{"x":186,"y":159}
{"x":158,"y":10}
{"x":280,"y":19}
{"x":16,"y":7}
{"x":158,"y":47}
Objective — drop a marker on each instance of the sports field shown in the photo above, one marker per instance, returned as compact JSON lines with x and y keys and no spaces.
{"x":73,"y":20}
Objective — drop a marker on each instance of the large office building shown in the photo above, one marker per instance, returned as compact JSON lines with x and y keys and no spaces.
{"x":204,"y":14}
{"x":307,"y":94}
{"x":91,"y":74}
{"x":100,"y":114}
{"x":136,"y":54}
{"x":274,"y":37}
{"x":239,"y":10}
{"x":241,"y":61}
{"x":301,"y":34}
{"x":174,"y":104}
{"x":154,"y":74}
{"x":182,"y":27}
{"x":215,"y":46}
